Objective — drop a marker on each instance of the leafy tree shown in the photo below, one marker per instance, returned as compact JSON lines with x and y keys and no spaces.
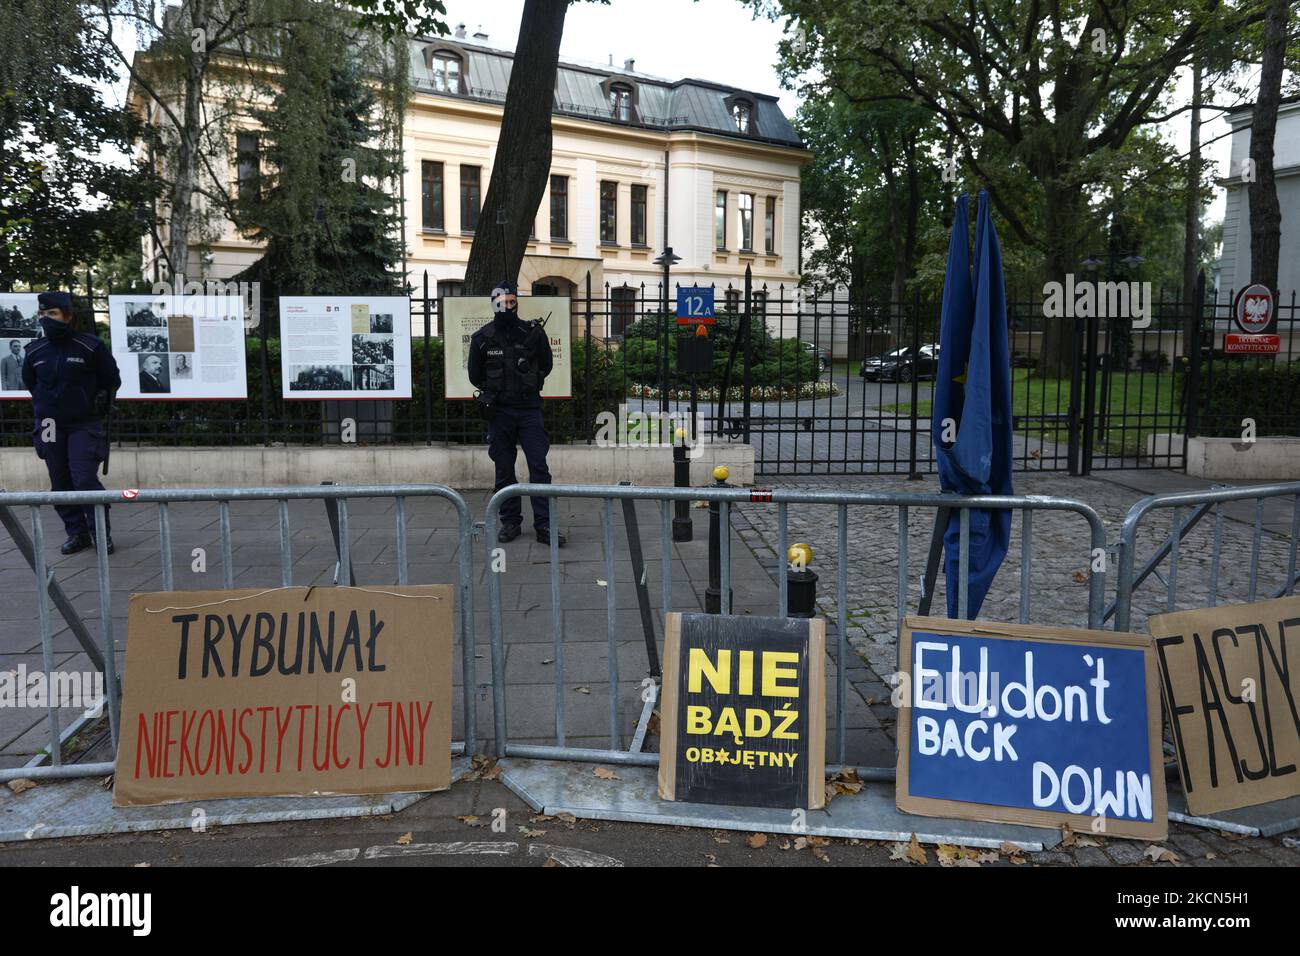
{"x":320,"y":206}
{"x":64,"y":200}
{"x":1051,"y":89}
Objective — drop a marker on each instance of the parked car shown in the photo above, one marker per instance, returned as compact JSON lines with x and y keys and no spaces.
{"x":823,"y":357}
{"x":901,"y":365}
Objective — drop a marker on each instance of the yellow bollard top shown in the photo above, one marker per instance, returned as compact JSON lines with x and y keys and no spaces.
{"x":721,"y":473}
{"x":680,"y":433}
{"x":799,"y":555}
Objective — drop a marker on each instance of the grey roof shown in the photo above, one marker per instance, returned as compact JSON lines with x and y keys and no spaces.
{"x":580,"y":91}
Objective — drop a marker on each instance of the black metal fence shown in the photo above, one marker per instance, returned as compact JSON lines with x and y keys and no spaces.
{"x":818,"y":382}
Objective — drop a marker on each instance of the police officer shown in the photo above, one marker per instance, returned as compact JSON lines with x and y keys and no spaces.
{"x":71,"y":376}
{"x":508,"y":361}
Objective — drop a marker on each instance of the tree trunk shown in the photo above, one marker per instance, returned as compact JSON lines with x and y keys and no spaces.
{"x":182,"y":190}
{"x":1065,"y":203}
{"x":1192,"y":209}
{"x":1265,"y":213}
{"x":523,"y":156}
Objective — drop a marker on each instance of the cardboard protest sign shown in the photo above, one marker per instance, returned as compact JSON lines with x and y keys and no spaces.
{"x":285,"y":691}
{"x":1231,"y":685}
{"x":1019,"y":724}
{"x":743,"y":719}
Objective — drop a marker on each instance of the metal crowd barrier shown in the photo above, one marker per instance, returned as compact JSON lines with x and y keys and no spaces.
{"x":1027,"y":504}
{"x":335,"y":498}
{"x":1201,"y":504}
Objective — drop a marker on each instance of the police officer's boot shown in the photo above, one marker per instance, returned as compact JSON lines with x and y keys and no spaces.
{"x":544,"y":537}
{"x":508,"y":533}
{"x":75,"y":543}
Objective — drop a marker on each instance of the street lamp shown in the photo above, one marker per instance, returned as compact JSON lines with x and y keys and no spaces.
{"x":666,"y":259}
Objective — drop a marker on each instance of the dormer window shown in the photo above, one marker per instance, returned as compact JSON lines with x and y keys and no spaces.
{"x":620,"y":103}
{"x":741,"y":111}
{"x":445,"y":68}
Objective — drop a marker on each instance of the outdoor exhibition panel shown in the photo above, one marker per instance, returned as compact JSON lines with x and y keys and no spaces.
{"x":345,"y":347}
{"x":462,"y":316}
{"x":177,"y":347}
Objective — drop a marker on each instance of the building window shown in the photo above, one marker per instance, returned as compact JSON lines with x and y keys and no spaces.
{"x":608,"y":212}
{"x":470,"y":198}
{"x":758,"y":304}
{"x":623,"y":309}
{"x":620,"y":103}
{"x":746,"y":204}
{"x":720,"y":220}
{"x":733,"y":301}
{"x":559,"y":207}
{"x":639,"y":194}
{"x":445,"y":67}
{"x":247,"y":148}
{"x":769,"y":226}
{"x":451,"y":287}
{"x":740,"y":114}
{"x":431,"y":194}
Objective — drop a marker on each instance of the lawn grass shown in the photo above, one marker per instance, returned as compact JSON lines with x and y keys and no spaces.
{"x":1141,"y":403}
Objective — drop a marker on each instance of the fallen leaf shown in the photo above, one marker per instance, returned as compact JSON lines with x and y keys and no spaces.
{"x":549,"y":660}
{"x":757,"y":841}
{"x":566,"y":818}
{"x":844,"y":782}
{"x":1080,"y":577}
{"x":1160,"y":854}
{"x":1010,"y":849}
{"x":710,"y":858}
{"x":107,"y":782}
{"x":21,"y":784}
{"x":550,"y":861}
{"x":404,"y":839}
{"x":990,"y":856}
{"x":530,"y":834}
{"x":821,"y":854}
{"x":800,"y":843}
{"x":471,"y":821}
{"x":1211,"y":855}
{"x":1086,"y":841}
{"x":785,"y":845}
{"x":911,"y":851}
{"x":1067,"y":836}
{"x":582,"y":690}
{"x":602,"y":583}
{"x":605,"y":774}
{"x":143,"y":865}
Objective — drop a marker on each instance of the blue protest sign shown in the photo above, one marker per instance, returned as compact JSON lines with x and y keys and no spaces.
{"x":1041,"y":726}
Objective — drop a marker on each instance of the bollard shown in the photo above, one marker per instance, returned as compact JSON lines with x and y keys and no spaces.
{"x":683,"y":524}
{"x":801,"y":583}
{"x":713,"y":594}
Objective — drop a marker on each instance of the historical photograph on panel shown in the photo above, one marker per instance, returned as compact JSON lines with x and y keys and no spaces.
{"x":155,"y":378}
{"x":382,"y":322}
{"x":183,"y":366}
{"x":372,"y":378}
{"x":146,"y":340}
{"x":19,"y":325}
{"x":145,"y":315}
{"x":372,"y":350}
{"x":320,"y":378}
{"x":180,"y":333}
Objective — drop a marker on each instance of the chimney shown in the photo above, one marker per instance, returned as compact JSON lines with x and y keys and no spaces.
{"x":460,"y":31}
{"x":480,"y":35}
{"x":611,"y":59}
{"x":629,"y":65}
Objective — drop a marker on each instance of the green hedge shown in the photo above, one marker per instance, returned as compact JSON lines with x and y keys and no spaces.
{"x":1233,"y":389}
{"x":775,"y":361}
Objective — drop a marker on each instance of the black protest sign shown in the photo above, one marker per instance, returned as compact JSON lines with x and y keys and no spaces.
{"x":744,"y":711}
{"x":1231,"y":685}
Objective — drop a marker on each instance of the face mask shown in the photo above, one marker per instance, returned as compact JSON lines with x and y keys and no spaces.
{"x":54,"y":329}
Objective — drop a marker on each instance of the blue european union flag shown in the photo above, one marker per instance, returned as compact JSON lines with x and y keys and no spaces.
{"x":973,"y":390}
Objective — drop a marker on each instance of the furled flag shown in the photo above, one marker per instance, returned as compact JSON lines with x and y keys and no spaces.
{"x":972,"y":403}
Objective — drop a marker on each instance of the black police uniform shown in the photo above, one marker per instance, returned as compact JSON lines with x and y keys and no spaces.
{"x":64,"y":375}
{"x":508,"y":360}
